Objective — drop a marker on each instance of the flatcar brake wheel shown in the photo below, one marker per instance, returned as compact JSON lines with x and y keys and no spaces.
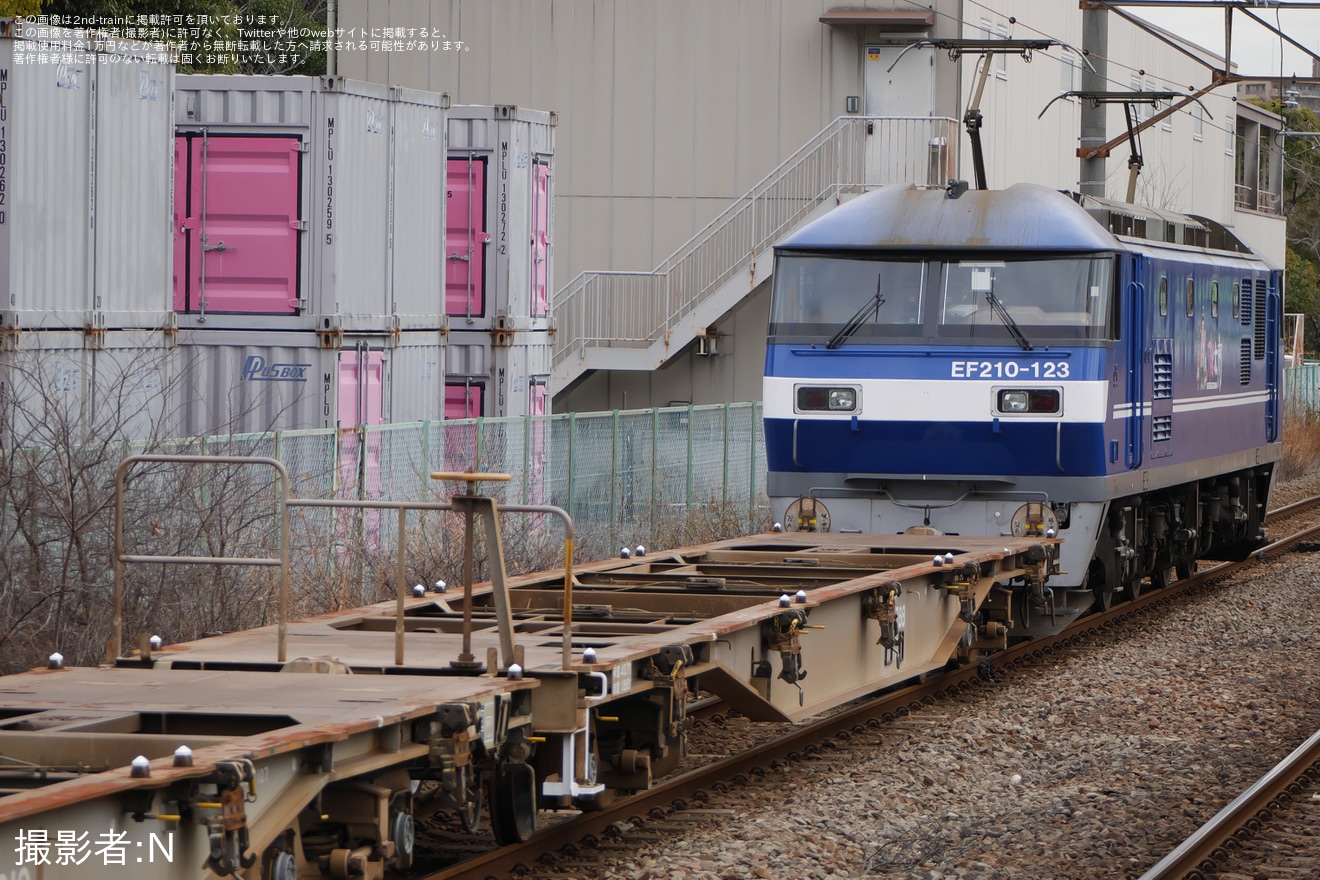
{"x":513,"y":803}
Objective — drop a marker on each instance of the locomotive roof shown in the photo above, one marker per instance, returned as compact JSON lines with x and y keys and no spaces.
{"x":1024,"y":216}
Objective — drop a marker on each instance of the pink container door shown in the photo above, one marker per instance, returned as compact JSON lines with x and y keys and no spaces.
{"x":460,"y":441}
{"x":540,"y":240}
{"x":462,"y":401}
{"x":361,"y":381}
{"x":243,"y":245}
{"x":182,"y":224}
{"x":540,"y":428}
{"x":465,"y":237}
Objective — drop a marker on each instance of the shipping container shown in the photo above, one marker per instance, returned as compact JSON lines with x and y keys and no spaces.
{"x":308,"y":203}
{"x":85,"y":180}
{"x":232,"y":382}
{"x":499,"y":237}
{"x":66,"y":387}
{"x":485,"y":379}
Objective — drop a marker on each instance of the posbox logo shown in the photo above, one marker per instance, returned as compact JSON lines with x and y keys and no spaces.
{"x":255,"y":369}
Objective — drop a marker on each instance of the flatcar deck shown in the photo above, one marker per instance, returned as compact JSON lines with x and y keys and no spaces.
{"x":537,"y":692}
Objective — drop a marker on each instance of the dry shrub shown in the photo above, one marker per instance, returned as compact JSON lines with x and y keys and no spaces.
{"x":1301,"y":444}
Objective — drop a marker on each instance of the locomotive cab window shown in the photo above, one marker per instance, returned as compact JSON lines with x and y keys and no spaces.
{"x":838,"y":299}
{"x":994,"y":298}
{"x":1062,"y":298}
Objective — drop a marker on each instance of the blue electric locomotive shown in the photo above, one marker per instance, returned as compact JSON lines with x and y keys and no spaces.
{"x":1020,"y":362}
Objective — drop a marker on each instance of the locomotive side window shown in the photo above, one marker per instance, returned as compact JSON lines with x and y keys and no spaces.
{"x":1214,"y":299}
{"x":1191,"y":297}
{"x":1164,"y":295}
{"x":1237,"y":299}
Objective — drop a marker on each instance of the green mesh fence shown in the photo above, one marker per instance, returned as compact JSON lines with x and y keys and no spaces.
{"x":660,"y":477}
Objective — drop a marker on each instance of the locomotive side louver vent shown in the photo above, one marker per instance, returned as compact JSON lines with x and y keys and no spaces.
{"x":1245,"y":361}
{"x":1139,"y":227}
{"x":1162,"y":427}
{"x":1162,"y":372}
{"x":1196,"y":237}
{"x":1247,"y":286}
{"x":1260,"y":319}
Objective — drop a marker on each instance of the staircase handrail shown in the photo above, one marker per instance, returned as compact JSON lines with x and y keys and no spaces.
{"x":633,"y":308}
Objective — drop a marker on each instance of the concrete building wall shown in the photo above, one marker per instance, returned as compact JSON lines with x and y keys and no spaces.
{"x":670,"y":109}
{"x":667,"y":110}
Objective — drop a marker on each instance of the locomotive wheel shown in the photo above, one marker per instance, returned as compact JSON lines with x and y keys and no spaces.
{"x":1136,"y":587}
{"x":1185,"y":569}
{"x":513,"y":803}
{"x":1162,"y":576}
{"x":1100,"y":586}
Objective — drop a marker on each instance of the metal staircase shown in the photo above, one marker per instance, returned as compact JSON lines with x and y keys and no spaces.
{"x":638,"y":320}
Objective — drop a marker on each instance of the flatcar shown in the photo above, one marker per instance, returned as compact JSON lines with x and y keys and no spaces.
{"x":314,"y":748}
{"x":1025,"y":361}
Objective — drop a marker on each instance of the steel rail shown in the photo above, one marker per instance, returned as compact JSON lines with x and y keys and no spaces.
{"x":1197,"y":855}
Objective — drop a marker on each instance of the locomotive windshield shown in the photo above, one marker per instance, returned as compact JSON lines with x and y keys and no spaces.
{"x":995,"y":299}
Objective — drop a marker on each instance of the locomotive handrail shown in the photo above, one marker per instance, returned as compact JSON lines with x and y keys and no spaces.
{"x":1136,"y":353}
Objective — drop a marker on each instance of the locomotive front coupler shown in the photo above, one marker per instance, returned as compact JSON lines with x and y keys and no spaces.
{"x":1041,"y":563}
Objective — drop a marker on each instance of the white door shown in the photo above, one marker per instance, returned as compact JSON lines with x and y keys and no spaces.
{"x":908,"y":89}
{"x":899,"y":148}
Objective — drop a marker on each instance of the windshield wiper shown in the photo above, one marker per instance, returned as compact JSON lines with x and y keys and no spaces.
{"x":871,"y":307}
{"x":1007,"y":320}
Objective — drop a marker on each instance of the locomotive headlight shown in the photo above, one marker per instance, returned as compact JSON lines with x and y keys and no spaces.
{"x":1013,"y":401}
{"x":1044,"y":401}
{"x":843,"y":399}
{"x":817,"y":399}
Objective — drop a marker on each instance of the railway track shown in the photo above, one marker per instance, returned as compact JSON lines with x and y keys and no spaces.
{"x":1270,"y":830}
{"x":684,"y":798}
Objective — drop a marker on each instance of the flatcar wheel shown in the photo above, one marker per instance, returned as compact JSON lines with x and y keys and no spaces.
{"x":513,"y":803}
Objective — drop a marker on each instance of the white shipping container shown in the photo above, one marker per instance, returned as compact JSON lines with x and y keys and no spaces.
{"x":85,"y":180}
{"x":309,"y":203}
{"x":67,"y":387}
{"x":484,"y":379}
{"x":232,"y":382}
{"x":499,"y":237}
